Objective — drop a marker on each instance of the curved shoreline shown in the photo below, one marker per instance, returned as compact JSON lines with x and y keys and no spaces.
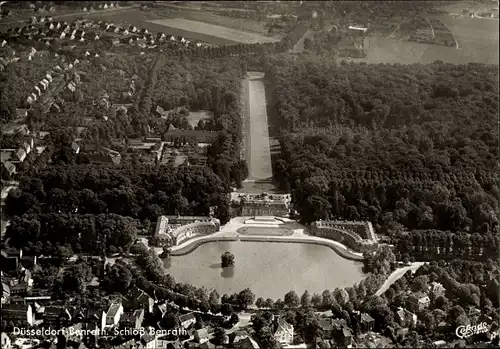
{"x":331,"y":244}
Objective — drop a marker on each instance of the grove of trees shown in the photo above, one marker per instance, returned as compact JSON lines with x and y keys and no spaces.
{"x":404,"y":146}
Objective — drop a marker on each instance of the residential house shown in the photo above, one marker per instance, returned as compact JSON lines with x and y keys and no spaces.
{"x":365,"y":322}
{"x":436,"y":289}
{"x":148,"y":341}
{"x":76,"y":314}
{"x":341,"y":333}
{"x":129,"y":41}
{"x":473,"y":313}
{"x":177,"y":344}
{"x":160,"y":37}
{"x":5,"y":341}
{"x":19,"y":290}
{"x":95,"y":37}
{"x":44,"y":84}
{"x":80,"y":35}
{"x":132,"y":320}
{"x":62,"y":35}
{"x":187,"y":320}
{"x":418,"y":302}
{"x":95,"y":318}
{"x":30,"y":141}
{"x":344,"y":337}
{"x":113,"y":314}
{"x":132,"y":29}
{"x":104,"y":159}
{"x":18,"y":313}
{"x":160,"y":310}
{"x":25,"y":277}
{"x":201,"y":335}
{"x":326,"y":326}
{"x":138,"y":299}
{"x":405,"y":318}
{"x":9,"y":167}
{"x":75,"y":147}
{"x":5,"y":292}
{"x":21,"y":113}
{"x":52,"y":316}
{"x":143,"y":31}
{"x":10,"y":258}
{"x":125,"y":32}
{"x":12,"y":129}
{"x":27,"y":148}
{"x":283,"y":332}
{"x":20,"y":155}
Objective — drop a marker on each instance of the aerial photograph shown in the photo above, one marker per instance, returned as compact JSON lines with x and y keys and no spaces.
{"x":249,"y":174}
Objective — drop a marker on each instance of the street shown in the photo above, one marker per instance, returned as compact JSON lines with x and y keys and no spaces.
{"x":398,"y":273}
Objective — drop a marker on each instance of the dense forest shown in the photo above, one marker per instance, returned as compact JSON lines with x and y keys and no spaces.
{"x":127,"y":192}
{"x":415,"y":149}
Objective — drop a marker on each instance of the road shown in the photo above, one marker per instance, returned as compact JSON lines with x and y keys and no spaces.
{"x":397,"y":274}
{"x":299,"y":46}
{"x":242,"y":323}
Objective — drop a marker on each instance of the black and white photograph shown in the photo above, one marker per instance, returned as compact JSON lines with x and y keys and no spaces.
{"x":249,"y":174}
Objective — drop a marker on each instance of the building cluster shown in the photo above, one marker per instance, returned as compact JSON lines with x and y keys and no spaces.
{"x":264,"y":204}
{"x":11,"y":158}
{"x":173,"y":230}
{"x":100,"y":6}
{"x":141,"y":37}
{"x":359,"y":236}
{"x":26,"y":306}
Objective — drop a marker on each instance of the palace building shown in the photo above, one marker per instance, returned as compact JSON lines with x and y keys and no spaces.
{"x":265,"y":204}
{"x":359,"y":236}
{"x":173,"y":230}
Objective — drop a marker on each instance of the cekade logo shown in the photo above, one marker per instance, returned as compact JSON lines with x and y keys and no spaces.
{"x":468,"y":331}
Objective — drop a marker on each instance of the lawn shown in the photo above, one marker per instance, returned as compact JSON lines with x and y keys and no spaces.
{"x":269,"y":231}
{"x":197,"y":30}
{"x":195,"y":116}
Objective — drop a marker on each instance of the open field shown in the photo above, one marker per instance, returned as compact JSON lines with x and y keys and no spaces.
{"x":458,"y":7}
{"x":228,"y":22}
{"x":195,"y":116}
{"x":477,"y":40}
{"x":232,"y":35}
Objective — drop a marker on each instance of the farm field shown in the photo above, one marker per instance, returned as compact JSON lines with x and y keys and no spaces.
{"x":195,"y":116}
{"x":194,"y":30}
